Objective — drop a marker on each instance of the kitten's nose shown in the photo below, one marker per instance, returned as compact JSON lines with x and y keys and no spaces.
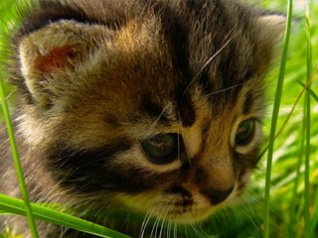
{"x":217,"y":196}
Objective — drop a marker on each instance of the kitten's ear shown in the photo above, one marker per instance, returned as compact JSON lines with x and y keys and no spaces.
{"x":57,"y":48}
{"x":271,"y":26}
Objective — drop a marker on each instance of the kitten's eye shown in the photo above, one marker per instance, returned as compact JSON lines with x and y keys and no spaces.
{"x":161,"y":149}
{"x":245,"y":132}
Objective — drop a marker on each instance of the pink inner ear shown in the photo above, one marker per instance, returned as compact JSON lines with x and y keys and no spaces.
{"x":59,"y":57}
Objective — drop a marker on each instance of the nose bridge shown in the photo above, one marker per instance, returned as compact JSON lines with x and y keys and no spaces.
{"x":215,"y":179}
{"x":211,"y":169}
{"x":214,"y":170}
{"x":219,"y":174}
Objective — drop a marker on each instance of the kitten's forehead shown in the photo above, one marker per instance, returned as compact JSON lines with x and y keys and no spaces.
{"x":205,"y":48}
{"x":174,"y":42}
{"x":159,"y":54}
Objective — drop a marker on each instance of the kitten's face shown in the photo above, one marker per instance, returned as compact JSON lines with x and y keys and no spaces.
{"x":187,"y":171}
{"x":160,"y":115}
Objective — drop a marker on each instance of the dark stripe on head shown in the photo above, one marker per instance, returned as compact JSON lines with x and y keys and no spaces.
{"x":205,"y":83}
{"x":176,"y":33}
{"x":152,"y":108}
{"x":112,"y":120}
{"x":196,"y":6}
{"x":50,"y":12}
{"x":248,"y":103}
{"x":225,"y":97}
{"x":95,"y":171}
{"x":237,"y":65}
{"x":84,"y":170}
{"x":185,"y":110}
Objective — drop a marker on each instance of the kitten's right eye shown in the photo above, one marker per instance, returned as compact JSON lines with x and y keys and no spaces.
{"x":245,"y":132}
{"x":161,"y":149}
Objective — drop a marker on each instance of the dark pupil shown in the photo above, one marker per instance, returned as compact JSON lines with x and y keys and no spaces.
{"x":161,"y":149}
{"x":245,"y":132}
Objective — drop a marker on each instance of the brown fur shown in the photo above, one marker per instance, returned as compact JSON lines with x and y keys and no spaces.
{"x":96,"y":78}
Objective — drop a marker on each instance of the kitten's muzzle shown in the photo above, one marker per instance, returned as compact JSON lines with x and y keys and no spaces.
{"x":217,"y":196}
{"x":215,"y":181}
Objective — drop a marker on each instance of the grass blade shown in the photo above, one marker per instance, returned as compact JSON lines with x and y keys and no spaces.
{"x":17,"y":161}
{"x":14,"y":205}
{"x":314,"y":220}
{"x":276,"y":106}
{"x":4,"y":39}
{"x":293,"y":204}
{"x":311,"y":92}
{"x":307,"y":129}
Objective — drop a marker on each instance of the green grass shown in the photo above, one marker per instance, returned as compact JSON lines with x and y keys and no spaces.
{"x":289,"y":199}
{"x":15,"y":154}
{"x":272,"y":135}
{"x":16,"y":206}
{"x":307,"y":123}
{"x":16,"y":158}
{"x":294,"y":187}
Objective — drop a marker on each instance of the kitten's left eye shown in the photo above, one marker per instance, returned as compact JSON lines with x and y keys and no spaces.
{"x":161,"y":149}
{"x":245,"y":132}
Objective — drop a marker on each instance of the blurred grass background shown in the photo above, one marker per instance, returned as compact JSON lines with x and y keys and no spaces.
{"x":245,"y":218}
{"x":289,"y":161}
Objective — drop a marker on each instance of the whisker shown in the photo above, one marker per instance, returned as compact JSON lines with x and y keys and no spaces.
{"x":163,"y":223}
{"x":153,"y":227}
{"x":153,"y":125}
{"x":195,"y":230}
{"x":157,"y":225}
{"x":175,"y":230}
{"x":186,"y":231}
{"x":169,"y":228}
{"x":198,"y":231}
{"x":223,"y":90}
{"x":207,"y":63}
{"x":144,"y":225}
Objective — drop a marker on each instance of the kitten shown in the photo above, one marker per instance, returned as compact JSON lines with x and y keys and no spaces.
{"x":148,"y":107}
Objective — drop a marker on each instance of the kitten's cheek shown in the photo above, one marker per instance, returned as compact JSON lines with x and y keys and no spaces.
{"x":242,"y":181}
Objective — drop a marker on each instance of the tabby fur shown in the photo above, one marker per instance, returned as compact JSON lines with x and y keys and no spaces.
{"x":94,"y":79}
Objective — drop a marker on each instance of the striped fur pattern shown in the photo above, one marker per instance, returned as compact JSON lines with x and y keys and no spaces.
{"x":103,"y":86}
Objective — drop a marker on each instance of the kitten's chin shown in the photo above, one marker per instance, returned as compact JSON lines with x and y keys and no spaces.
{"x":192,"y":217}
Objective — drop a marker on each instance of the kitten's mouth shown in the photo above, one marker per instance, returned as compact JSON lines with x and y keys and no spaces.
{"x":190,"y":210}
{"x":178,"y":205}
